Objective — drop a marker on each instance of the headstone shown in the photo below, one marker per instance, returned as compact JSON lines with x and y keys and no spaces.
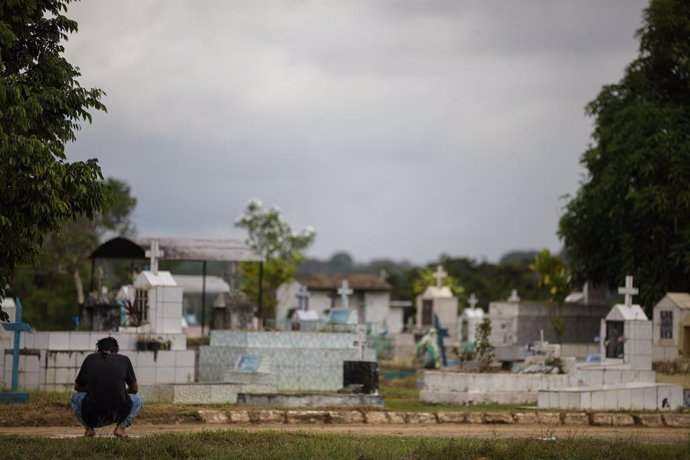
{"x":157,"y":305}
{"x":233,"y":310}
{"x":247,"y":363}
{"x":344,"y":291}
{"x":342,"y":316}
{"x":628,"y":332}
{"x":514,"y":297}
{"x":437,"y":300}
{"x":469,"y":319}
{"x":252,"y":373}
{"x":364,"y":373}
{"x":17,"y":327}
{"x":303,"y":297}
{"x":305,"y":320}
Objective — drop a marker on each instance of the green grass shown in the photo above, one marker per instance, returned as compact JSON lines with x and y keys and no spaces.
{"x":302,"y":445}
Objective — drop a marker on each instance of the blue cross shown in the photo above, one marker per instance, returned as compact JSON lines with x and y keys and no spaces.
{"x":18,"y":327}
{"x":441,"y":334}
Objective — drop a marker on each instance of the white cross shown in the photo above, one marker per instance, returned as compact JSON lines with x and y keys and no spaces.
{"x":344,"y":291}
{"x":302,"y":295}
{"x":628,"y":291}
{"x":472,"y":301}
{"x":152,"y":254}
{"x":361,"y":341}
{"x":439,"y":274}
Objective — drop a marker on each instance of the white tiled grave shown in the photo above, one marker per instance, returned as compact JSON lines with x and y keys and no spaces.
{"x":622,"y":396}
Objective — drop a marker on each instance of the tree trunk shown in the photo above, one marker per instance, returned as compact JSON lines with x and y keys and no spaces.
{"x":78,"y":286}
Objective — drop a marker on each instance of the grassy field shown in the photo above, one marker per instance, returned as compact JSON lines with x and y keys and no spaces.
{"x":301,"y":445}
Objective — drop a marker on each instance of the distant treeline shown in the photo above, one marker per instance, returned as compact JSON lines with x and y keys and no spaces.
{"x":488,"y":281}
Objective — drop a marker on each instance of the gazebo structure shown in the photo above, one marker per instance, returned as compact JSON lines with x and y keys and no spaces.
{"x":180,"y":249}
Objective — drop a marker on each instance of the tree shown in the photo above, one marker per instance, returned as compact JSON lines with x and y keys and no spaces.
{"x":631,"y":214}
{"x":41,"y":107}
{"x":554,"y":276}
{"x":282,"y":249}
{"x":484,"y":351}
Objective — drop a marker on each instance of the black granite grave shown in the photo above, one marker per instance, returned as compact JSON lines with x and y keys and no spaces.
{"x":365,"y":373}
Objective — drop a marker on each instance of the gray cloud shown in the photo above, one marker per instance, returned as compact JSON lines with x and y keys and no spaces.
{"x":398,"y":129}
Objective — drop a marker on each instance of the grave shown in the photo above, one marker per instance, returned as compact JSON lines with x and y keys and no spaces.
{"x":361,"y":372}
{"x":517,"y":323}
{"x":671,"y":322}
{"x":232,"y":310}
{"x":304,"y":319}
{"x":438,"y":302}
{"x":157,"y":307}
{"x":269,"y":368}
{"x":469,"y":320}
{"x":300,"y":361}
{"x":624,"y":380}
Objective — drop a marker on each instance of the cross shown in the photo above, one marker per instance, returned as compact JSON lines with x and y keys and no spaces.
{"x":628,"y":291}
{"x":152,"y":254}
{"x":361,"y":342}
{"x":439,"y":274}
{"x":303,"y":297}
{"x":344,"y":291}
{"x":18,"y":327}
{"x":472,"y":301}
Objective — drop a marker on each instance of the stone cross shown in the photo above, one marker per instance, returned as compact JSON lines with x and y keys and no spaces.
{"x":153,"y":254}
{"x":473,"y":301}
{"x":303,"y":295}
{"x":514,"y":297}
{"x":439,"y":274}
{"x":628,"y":291}
{"x":344,"y":291}
{"x":17,"y":327}
{"x":362,"y":341}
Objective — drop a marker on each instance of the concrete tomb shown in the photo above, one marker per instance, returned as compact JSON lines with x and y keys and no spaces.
{"x":439,"y":302}
{"x":624,"y":380}
{"x":300,"y":361}
{"x":671,"y":322}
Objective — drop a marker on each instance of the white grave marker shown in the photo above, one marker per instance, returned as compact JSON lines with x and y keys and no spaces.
{"x":628,"y":291}
{"x":153,"y":255}
{"x":473,"y":301}
{"x":344,"y":291}
{"x":439,"y":274}
{"x":303,"y":296}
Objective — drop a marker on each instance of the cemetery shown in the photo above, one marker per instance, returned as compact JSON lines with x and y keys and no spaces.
{"x":323,"y":346}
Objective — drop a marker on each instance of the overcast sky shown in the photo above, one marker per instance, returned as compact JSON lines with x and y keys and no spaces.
{"x":398,"y":129}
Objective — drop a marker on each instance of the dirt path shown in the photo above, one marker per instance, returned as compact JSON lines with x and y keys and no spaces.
{"x":648,"y":435}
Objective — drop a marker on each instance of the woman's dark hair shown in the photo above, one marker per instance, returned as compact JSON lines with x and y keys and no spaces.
{"x":108,"y":344}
